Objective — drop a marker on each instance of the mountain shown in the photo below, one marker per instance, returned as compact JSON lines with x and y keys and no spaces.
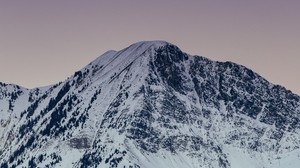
{"x":151,"y":105}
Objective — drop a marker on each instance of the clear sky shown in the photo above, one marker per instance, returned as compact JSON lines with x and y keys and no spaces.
{"x":44,"y":42}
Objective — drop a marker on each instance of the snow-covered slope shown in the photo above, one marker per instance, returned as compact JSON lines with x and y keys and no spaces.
{"x":152,"y":105}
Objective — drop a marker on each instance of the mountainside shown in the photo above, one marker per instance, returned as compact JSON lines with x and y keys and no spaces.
{"x":151,"y":105}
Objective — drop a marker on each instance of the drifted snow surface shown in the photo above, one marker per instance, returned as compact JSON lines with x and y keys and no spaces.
{"x":151,"y":105}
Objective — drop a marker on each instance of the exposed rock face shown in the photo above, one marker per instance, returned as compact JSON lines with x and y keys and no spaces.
{"x":151,"y":105}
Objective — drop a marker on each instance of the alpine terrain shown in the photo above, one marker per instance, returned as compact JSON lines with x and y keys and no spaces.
{"x":151,"y":105}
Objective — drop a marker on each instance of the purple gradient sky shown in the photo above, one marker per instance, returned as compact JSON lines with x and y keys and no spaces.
{"x":43,"y":42}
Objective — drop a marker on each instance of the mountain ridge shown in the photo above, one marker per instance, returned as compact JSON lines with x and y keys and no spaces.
{"x":151,"y":101}
{"x":134,"y":44}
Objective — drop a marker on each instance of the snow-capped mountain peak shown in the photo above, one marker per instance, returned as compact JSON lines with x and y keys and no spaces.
{"x":151,"y":105}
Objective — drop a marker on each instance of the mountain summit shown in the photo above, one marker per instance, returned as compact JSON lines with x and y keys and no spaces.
{"x":151,"y":105}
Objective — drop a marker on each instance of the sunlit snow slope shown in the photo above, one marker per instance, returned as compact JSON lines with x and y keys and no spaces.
{"x":151,"y":105}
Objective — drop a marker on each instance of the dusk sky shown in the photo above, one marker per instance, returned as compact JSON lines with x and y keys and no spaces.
{"x":44,"y":42}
